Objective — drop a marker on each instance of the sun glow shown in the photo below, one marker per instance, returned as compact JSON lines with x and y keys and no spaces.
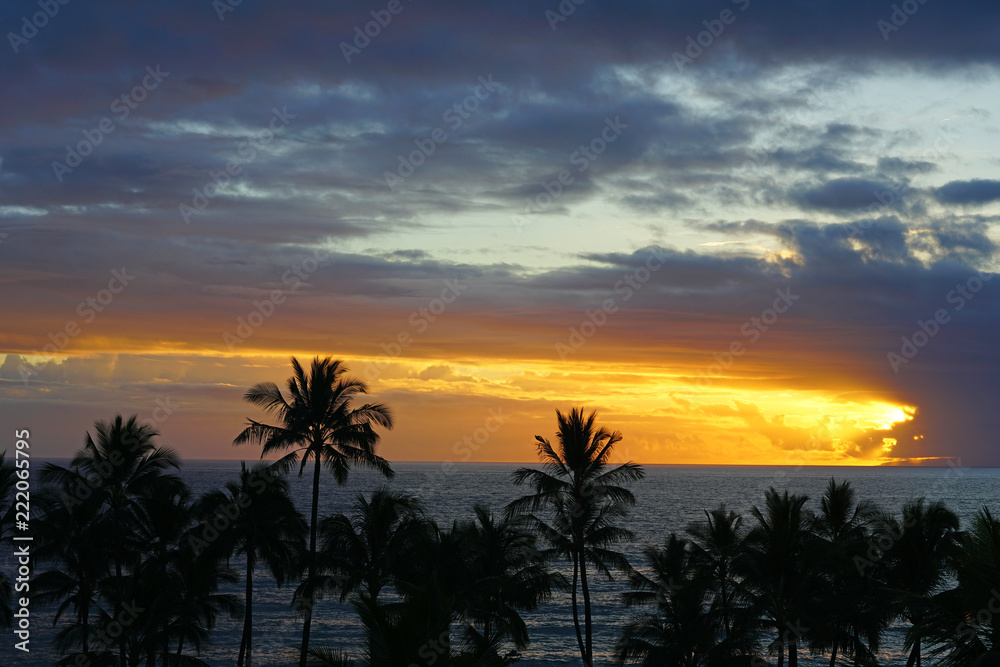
{"x":667,"y":413}
{"x":668,"y":416}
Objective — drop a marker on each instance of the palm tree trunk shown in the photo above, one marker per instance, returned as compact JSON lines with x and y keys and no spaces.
{"x":724,"y":595}
{"x":833,"y":654}
{"x":793,"y":653}
{"x":118,"y":606}
{"x":85,"y":613}
{"x":248,"y":617}
{"x":914,"y":658}
{"x":307,"y":622}
{"x":588,"y":659}
{"x":576,"y":613}
{"x":243,"y":646}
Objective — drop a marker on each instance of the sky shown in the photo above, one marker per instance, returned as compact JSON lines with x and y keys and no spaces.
{"x":742,"y":232}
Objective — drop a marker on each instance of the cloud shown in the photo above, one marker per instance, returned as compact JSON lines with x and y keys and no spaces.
{"x":977,"y":191}
{"x":842,"y":194}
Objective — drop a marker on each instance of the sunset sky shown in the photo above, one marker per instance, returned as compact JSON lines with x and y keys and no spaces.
{"x":714,"y":223}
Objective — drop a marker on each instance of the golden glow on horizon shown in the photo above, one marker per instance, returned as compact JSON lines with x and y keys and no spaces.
{"x":665,"y":414}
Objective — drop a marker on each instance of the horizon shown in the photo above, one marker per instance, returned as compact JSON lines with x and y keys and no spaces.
{"x":743,"y":234}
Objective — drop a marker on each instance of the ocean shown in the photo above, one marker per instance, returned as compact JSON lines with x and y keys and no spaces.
{"x":668,"y":498}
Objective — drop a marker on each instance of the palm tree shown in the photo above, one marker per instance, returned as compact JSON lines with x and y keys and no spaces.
{"x":964,"y":622}
{"x":480,"y":575}
{"x":188,"y":598}
{"x":122,"y":469}
{"x":506,"y":575}
{"x":685,"y":629}
{"x":778,"y":571}
{"x":416,"y":628}
{"x":71,"y":544}
{"x":267,"y":528}
{"x":318,"y":422}
{"x":918,"y":563}
{"x":413,"y":631}
{"x":155,"y":584}
{"x":857,"y":611}
{"x":585,"y":497}
{"x":715,"y":546}
{"x":365,"y":550}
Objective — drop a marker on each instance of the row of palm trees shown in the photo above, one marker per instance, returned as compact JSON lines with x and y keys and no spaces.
{"x":139,"y":572}
{"x":830,"y":582}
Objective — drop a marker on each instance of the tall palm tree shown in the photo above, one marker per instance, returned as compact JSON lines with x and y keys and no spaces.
{"x":267,"y":528}
{"x":919,"y":563}
{"x":585,"y":498}
{"x":716,"y":544}
{"x":856,"y":610}
{"x":779,"y":573}
{"x":318,"y":422}
{"x":123,"y":467}
{"x":365,"y":550}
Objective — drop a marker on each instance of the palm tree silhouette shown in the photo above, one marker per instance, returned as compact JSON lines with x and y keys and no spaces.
{"x":857,"y":612}
{"x":778,"y":571}
{"x":71,"y":545}
{"x":365,"y":550}
{"x":962,"y":621}
{"x":919,"y":562}
{"x":685,"y":629}
{"x":416,"y":628}
{"x":318,"y":422}
{"x":585,"y":498}
{"x":266,"y":528}
{"x":506,"y":575}
{"x":125,"y":469}
{"x":716,"y":544}
{"x":478,"y":576}
{"x":178,"y":589}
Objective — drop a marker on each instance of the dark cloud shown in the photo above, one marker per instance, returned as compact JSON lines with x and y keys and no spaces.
{"x":977,"y":191}
{"x":842,"y":194}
